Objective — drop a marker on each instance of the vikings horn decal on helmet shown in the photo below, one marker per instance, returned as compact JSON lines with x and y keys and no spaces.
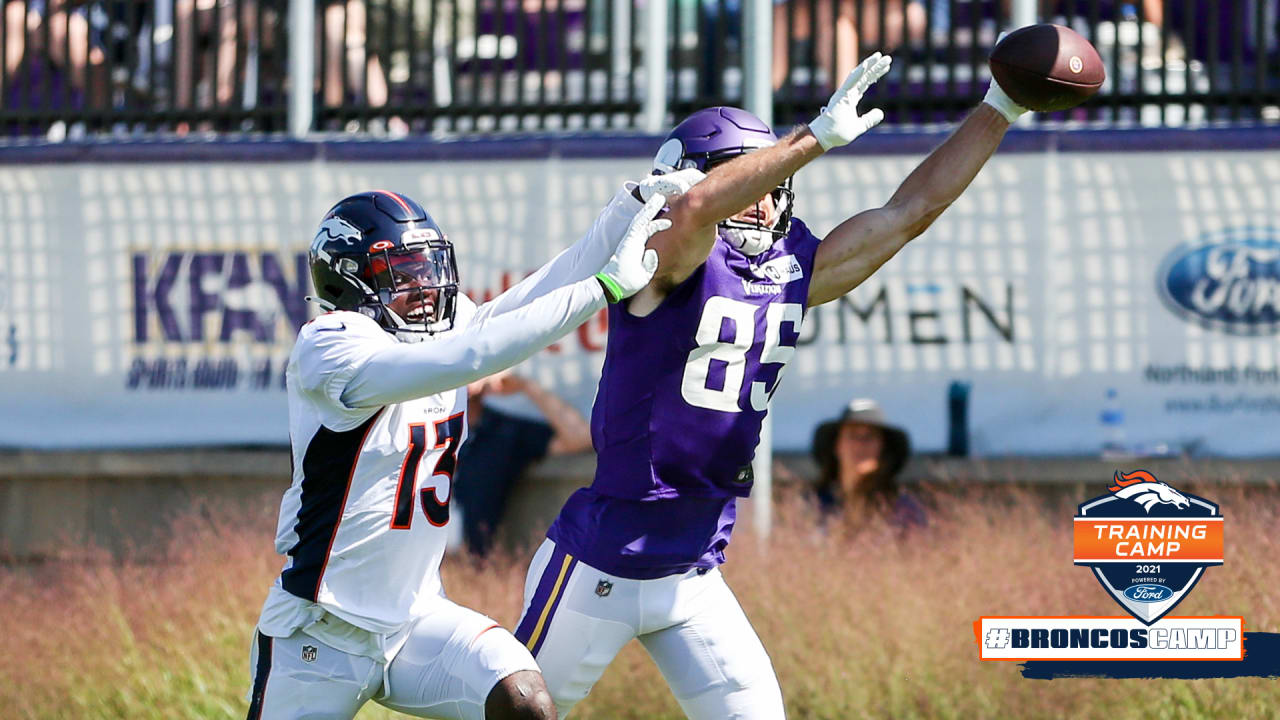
{"x":715,"y":135}
{"x":380,"y":254}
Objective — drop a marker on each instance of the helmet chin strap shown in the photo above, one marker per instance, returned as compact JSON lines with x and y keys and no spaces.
{"x":750,"y":242}
{"x":402,"y":331}
{"x":324,"y":304}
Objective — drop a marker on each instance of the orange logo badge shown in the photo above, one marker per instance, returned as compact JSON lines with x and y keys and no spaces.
{"x":1147,"y":542}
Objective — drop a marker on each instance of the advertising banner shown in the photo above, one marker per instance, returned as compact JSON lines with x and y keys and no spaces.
{"x":1068,"y":303}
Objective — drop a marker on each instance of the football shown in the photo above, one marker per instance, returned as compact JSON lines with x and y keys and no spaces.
{"x":1047,"y":67}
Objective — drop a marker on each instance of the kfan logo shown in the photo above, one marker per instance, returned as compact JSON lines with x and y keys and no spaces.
{"x":218,"y":296}
{"x":1147,"y":542}
{"x":1229,"y":281}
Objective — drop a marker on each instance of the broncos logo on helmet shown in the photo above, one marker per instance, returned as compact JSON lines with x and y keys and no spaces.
{"x":335,"y":228}
{"x":1143,"y":488}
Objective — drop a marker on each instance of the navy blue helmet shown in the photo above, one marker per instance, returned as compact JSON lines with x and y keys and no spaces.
{"x":380,"y":254}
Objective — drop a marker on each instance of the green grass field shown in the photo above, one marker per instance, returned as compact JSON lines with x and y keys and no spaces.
{"x":858,"y":625}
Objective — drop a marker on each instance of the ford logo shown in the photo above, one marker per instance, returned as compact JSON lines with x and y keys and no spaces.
{"x":1227,"y":281}
{"x":1148,"y":593}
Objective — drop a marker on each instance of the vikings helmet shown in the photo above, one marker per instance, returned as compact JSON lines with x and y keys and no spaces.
{"x":375,"y":247}
{"x":718,"y":134}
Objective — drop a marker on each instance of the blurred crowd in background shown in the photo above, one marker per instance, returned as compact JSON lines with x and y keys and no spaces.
{"x":392,"y":67}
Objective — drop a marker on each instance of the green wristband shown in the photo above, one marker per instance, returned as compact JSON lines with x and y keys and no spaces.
{"x":612,"y":292}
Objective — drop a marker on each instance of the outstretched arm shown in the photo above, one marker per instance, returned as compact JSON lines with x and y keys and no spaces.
{"x":727,"y":190}
{"x":587,"y":256}
{"x":404,"y":371}
{"x":742,"y":181}
{"x":577,"y":262}
{"x":857,"y":247}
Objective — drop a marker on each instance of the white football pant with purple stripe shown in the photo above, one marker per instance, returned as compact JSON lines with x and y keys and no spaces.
{"x":576,"y":619}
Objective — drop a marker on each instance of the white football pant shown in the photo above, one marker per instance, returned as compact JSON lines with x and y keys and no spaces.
{"x":446,"y":668}
{"x":576,"y":620}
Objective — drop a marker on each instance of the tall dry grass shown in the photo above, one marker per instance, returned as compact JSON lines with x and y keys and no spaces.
{"x":859,"y":624}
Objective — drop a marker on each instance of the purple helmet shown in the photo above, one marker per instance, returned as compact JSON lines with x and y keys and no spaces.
{"x":717,"y":134}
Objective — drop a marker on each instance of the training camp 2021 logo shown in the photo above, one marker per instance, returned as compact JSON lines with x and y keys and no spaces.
{"x":1148,"y":544}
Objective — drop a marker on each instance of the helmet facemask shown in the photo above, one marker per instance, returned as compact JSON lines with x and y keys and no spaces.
{"x":753,"y":237}
{"x":413,"y":289}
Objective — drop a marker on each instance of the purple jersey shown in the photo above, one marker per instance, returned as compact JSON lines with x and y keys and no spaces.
{"x":678,"y":411}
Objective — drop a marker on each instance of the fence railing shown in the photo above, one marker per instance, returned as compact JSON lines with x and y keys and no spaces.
{"x":129,"y":67}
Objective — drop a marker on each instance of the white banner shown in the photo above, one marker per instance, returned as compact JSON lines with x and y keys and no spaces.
{"x":1077,"y":299}
{"x":1023,"y":638}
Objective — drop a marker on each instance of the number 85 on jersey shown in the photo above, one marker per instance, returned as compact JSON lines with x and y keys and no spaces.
{"x":696,"y":386}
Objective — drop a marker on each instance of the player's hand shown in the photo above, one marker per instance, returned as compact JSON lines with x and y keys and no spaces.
{"x":632,"y":265}
{"x":998,"y":99}
{"x":671,"y":185}
{"x":839,"y":122}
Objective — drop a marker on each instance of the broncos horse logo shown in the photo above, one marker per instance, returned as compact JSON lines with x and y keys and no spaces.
{"x":335,"y":228}
{"x":1143,"y":488}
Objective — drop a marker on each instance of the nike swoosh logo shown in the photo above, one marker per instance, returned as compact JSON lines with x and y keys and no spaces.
{"x":342,"y":326}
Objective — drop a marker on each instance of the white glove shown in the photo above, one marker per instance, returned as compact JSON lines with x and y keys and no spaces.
{"x":998,"y":99}
{"x":632,"y":265}
{"x":672,"y":185}
{"x":839,"y":122}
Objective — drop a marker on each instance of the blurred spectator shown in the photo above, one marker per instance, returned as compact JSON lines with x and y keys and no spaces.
{"x":501,"y":446}
{"x":1152,"y":10}
{"x":55,"y":42}
{"x":351,"y":46}
{"x":852,"y":31}
{"x":859,"y":456}
{"x":15,"y":34}
{"x":205,"y":36}
{"x":722,"y":26}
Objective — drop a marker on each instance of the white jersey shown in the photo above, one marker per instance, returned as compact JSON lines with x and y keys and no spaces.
{"x":375,"y":427}
{"x":363,"y":523}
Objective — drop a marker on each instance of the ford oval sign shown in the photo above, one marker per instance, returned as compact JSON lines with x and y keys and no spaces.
{"x":1228,"y":281}
{"x":1148,"y":593}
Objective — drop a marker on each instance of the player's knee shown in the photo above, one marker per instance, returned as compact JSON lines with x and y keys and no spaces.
{"x":520,"y":696}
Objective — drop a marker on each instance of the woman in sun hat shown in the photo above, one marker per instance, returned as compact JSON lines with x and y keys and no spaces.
{"x":859,"y":456}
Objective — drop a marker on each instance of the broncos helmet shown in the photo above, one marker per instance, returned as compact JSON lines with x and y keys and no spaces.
{"x":718,"y":134}
{"x":380,"y":254}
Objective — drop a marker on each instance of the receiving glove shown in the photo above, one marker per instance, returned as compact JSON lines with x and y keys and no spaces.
{"x":671,"y":185}
{"x":632,"y":264}
{"x":839,"y":122}
{"x":998,"y":99}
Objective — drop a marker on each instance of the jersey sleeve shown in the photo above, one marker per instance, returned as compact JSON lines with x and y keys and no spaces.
{"x":577,"y":262}
{"x":330,"y":351}
{"x":403,"y":371}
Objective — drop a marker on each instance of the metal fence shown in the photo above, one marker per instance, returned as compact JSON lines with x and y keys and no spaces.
{"x":480,"y":65}
{"x":128,"y":67}
{"x":76,"y":67}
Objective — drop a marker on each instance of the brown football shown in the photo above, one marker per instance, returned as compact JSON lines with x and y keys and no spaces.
{"x":1047,"y":67}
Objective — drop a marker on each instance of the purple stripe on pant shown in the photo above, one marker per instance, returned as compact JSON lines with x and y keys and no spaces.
{"x":533,"y":628}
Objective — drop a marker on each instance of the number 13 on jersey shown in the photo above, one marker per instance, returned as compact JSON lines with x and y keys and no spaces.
{"x":448,"y":436}
{"x":694,"y":386}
